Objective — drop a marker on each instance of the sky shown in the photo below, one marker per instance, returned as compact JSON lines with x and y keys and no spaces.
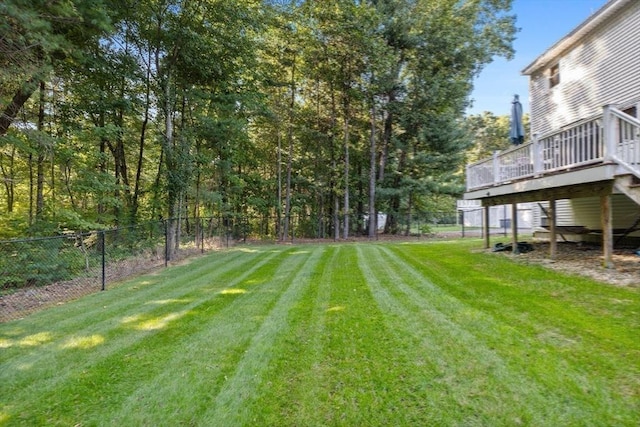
{"x":542,"y":23}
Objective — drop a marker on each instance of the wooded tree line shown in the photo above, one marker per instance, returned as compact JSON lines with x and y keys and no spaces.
{"x":117,"y":111}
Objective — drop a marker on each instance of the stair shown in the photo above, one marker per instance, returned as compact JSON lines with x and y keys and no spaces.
{"x":630,"y":186}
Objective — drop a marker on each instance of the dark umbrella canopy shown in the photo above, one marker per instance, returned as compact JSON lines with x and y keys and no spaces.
{"x":516,"y":132}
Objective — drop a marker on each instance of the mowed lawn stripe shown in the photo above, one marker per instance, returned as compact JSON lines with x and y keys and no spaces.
{"x":564,"y":326}
{"x":341,"y":334}
{"x":232,"y":404}
{"x":105,"y":311}
{"x":293,"y":388}
{"x":548,"y":345}
{"x":341,"y":365}
{"x":466,"y":380}
{"x":154,"y":285}
{"x":194,"y":376}
{"x":129,"y":348}
{"x":137,"y":305}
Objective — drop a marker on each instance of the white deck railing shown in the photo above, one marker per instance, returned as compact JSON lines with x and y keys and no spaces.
{"x":626,"y":135}
{"x":612,"y":136}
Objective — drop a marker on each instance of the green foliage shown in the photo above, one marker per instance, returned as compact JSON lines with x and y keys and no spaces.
{"x":34,"y":263}
{"x":233,"y":108}
{"x":490,"y":133}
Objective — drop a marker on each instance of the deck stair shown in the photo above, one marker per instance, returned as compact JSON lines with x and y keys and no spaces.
{"x":630,"y":186}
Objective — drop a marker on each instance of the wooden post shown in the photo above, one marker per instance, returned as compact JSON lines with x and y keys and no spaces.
{"x":514,"y":228}
{"x":553,"y":238}
{"x":486,"y":227}
{"x":607,"y":232}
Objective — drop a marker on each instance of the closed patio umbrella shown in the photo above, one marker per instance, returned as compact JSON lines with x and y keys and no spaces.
{"x":516,"y":131}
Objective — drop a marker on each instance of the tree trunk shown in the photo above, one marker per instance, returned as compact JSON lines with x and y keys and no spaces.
{"x":287,"y":208}
{"x":334,"y":167}
{"x":279,"y":228}
{"x":40,"y":158}
{"x":8,"y":175}
{"x":21,"y":96}
{"x":142,"y":142}
{"x":101,"y":208}
{"x":172,"y":195}
{"x":386,"y":136}
{"x":346,"y":177}
{"x":372,"y":174}
{"x":409,"y":207}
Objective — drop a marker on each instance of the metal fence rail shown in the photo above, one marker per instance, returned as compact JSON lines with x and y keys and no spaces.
{"x":40,"y":272}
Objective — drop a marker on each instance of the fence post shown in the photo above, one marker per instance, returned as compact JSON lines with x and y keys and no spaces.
{"x":166,"y":242}
{"x":103,"y":250}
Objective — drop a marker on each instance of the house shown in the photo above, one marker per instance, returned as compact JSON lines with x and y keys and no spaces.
{"x":470,"y":214}
{"x":582,"y":167}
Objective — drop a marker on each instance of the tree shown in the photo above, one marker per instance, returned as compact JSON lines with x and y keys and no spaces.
{"x":316,"y":114}
{"x":36,"y":36}
{"x":441,"y":46}
{"x":490,"y":133}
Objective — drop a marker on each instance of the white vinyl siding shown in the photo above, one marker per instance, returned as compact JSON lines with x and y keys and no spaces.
{"x":474,"y":215}
{"x":602,"y":68}
{"x":585,"y":212}
{"x":564,"y":214}
{"x":624,"y":212}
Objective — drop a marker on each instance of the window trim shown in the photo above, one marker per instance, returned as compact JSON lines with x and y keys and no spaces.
{"x":554,"y":75}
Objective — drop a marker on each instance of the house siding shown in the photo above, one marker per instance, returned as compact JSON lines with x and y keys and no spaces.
{"x":585,"y":211}
{"x":473,"y":214}
{"x":603,"y":68}
{"x":564,"y":213}
{"x":624,"y":213}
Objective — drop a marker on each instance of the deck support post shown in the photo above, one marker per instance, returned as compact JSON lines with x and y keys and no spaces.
{"x":553,"y":238}
{"x":607,"y":231}
{"x":485,"y":225}
{"x":514,"y":229}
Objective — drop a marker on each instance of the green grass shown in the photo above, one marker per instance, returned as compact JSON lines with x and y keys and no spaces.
{"x":424,"y":333}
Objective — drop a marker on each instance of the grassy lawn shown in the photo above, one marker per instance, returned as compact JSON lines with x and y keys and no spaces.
{"x":384,"y":334}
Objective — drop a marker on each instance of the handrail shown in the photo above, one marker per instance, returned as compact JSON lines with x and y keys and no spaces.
{"x":610,"y":136}
{"x":627,"y":148}
{"x":624,"y":116}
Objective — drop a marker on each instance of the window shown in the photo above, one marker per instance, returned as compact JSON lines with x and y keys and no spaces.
{"x":632,"y":111}
{"x":554,"y":76}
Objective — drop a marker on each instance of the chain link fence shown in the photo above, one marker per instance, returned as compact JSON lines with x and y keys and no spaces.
{"x":40,"y":272}
{"x":37,"y":273}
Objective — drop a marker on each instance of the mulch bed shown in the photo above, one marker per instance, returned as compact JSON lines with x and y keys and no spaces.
{"x":588,"y":261}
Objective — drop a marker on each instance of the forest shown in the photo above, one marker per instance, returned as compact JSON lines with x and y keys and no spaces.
{"x":326,"y":113}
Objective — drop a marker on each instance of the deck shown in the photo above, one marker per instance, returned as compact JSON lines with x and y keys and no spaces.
{"x":596,"y":156}
{"x":577,"y":160}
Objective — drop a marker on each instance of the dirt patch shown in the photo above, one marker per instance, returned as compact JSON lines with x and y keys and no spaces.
{"x":25,"y":301}
{"x":586,"y":260}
